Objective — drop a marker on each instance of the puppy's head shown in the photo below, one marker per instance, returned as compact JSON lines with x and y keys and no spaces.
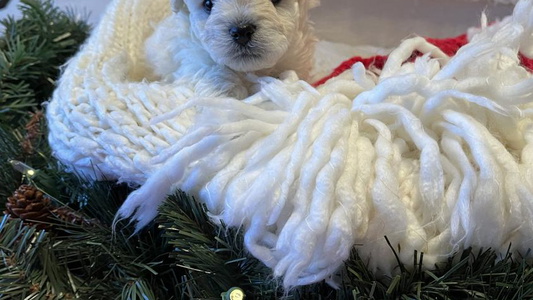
{"x":246,"y":35}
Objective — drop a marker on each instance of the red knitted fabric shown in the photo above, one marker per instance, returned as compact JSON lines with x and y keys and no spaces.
{"x":448,"y":46}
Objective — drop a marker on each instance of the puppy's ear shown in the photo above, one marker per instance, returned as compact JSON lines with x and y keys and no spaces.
{"x":308,"y":4}
{"x":176,"y":5}
{"x":314,"y":3}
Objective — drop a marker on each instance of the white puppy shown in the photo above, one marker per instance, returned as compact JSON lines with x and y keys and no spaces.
{"x":214,"y":43}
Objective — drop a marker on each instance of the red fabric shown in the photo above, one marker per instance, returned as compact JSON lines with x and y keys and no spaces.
{"x":526,"y":62}
{"x":448,"y":46}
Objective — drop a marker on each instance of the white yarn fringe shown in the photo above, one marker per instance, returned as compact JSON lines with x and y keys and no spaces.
{"x":435,"y":154}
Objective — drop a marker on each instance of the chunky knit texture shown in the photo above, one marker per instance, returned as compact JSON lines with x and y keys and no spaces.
{"x":435,"y":152}
{"x":449,"y":46}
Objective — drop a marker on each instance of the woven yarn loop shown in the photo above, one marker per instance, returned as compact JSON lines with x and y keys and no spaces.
{"x":434,"y":153}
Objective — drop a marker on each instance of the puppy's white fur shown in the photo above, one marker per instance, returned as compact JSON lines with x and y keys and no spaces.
{"x":195,"y":46}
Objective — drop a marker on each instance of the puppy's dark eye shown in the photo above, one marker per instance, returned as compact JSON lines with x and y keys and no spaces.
{"x":208,"y":5}
{"x":276,"y":2}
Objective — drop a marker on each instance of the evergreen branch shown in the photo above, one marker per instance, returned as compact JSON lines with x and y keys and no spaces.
{"x":192,"y":237}
{"x":27,"y":144}
{"x":9,"y":179}
{"x":213,"y":257}
{"x":469,"y":276}
{"x":112,"y":264}
{"x":31,"y":51}
{"x":26,"y":267}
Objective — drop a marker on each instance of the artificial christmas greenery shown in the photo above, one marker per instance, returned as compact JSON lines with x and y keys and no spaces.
{"x":33,"y":49}
{"x":57,"y":239}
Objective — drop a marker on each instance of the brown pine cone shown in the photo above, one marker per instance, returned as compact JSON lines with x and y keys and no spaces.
{"x":71,"y":216}
{"x":28,"y":204}
{"x":33,"y":132}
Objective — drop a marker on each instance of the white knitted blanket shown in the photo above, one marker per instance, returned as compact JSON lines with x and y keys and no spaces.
{"x":435,"y":154}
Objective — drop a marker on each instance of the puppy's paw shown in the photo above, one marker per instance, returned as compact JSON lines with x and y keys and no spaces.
{"x":238,"y":91}
{"x":222,"y":82}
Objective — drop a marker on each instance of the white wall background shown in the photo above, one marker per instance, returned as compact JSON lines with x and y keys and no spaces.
{"x":365,"y":22}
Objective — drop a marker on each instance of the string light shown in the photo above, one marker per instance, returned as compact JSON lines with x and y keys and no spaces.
{"x":23,"y":168}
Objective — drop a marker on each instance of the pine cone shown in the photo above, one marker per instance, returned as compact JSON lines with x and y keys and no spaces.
{"x":28,"y":204}
{"x":71,"y":216}
{"x":33,"y":132}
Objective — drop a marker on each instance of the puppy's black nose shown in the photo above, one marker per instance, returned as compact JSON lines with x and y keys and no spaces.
{"x":242,"y":34}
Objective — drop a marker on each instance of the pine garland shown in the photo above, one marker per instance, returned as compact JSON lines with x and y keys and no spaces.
{"x":32,"y":50}
{"x":182,"y":255}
